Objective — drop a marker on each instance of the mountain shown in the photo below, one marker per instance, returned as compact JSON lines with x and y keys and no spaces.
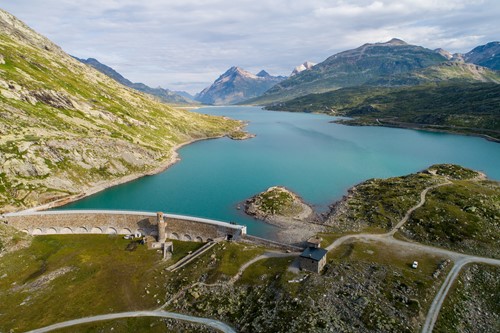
{"x":352,"y":68}
{"x":447,"y":71}
{"x":67,"y":129}
{"x":487,"y":55}
{"x":237,"y":85}
{"x":302,"y":67}
{"x":164,"y":95}
{"x":185,"y":94}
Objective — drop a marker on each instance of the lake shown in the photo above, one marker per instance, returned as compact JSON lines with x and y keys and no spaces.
{"x":306,"y":153}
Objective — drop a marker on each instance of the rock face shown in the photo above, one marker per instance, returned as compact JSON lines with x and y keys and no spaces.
{"x":66,"y":128}
{"x":487,"y":55}
{"x":237,"y":85}
{"x":278,"y":205}
{"x":165,"y":95}
{"x":302,"y":67}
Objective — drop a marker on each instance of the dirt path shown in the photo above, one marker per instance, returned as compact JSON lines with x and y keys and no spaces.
{"x":162,"y":314}
{"x":414,"y":208}
{"x":254,"y":260}
{"x":437,"y":303}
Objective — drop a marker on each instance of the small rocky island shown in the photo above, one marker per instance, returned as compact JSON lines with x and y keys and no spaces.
{"x":283,"y":208}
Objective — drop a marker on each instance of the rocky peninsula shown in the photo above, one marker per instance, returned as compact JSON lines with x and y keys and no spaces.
{"x":286,"y":210}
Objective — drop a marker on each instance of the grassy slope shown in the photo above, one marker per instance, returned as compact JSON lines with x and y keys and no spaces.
{"x":470,"y":108}
{"x":462,"y":216}
{"x":66,"y":127}
{"x":104,"y":278}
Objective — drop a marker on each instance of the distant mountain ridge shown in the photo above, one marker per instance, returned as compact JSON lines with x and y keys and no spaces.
{"x":237,"y":85}
{"x":354,"y":67}
{"x":165,"y":95}
{"x":487,"y":55}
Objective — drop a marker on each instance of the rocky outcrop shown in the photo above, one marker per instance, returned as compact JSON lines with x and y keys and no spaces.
{"x":302,"y":67}
{"x":282,"y":208}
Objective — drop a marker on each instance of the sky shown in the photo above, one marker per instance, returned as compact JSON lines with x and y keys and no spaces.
{"x":187,"y":44}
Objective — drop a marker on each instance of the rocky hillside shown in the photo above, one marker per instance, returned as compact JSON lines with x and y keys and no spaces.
{"x":354,"y":67}
{"x":164,"y":95}
{"x":66,"y":128}
{"x":457,"y":71}
{"x":237,"y":85}
{"x":487,"y":55}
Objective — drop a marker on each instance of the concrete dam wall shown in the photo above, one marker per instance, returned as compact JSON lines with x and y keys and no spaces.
{"x":121,"y":222}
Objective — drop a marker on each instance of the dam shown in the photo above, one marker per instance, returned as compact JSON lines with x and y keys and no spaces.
{"x":178,"y":227}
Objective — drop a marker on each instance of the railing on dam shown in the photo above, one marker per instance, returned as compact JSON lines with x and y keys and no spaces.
{"x":121,"y":222}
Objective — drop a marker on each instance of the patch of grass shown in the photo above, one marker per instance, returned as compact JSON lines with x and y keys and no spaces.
{"x":377,"y":205}
{"x":453,"y":171}
{"x":182,"y":248}
{"x":103,"y":278}
{"x":265,"y":270}
{"x":275,"y":201}
{"x":462,"y":217}
{"x":233,"y":257}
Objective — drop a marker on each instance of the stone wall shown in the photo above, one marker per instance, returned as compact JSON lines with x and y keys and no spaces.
{"x":121,"y":222}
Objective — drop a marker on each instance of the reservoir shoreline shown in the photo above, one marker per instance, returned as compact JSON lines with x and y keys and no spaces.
{"x":164,"y":165}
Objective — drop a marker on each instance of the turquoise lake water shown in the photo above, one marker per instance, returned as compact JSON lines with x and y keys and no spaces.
{"x":306,"y":153}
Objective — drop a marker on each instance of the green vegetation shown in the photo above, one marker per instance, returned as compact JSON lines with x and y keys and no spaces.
{"x":233,"y":257}
{"x":473,"y":303}
{"x":467,"y":108}
{"x":64,"y":277}
{"x":463,"y":217}
{"x":377,"y":205}
{"x":276,"y":201}
{"x":455,"y":172}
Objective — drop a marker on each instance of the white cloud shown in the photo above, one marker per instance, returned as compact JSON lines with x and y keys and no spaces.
{"x":185,"y":43}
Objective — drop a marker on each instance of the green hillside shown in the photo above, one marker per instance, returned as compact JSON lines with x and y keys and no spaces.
{"x":66,"y":128}
{"x":468,"y":108}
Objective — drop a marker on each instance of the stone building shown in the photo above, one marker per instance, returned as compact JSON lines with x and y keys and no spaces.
{"x":313,"y":259}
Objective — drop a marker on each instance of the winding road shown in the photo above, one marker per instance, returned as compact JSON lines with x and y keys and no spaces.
{"x":162,"y":314}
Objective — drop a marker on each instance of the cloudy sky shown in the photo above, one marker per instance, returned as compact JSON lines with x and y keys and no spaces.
{"x":187,"y":44}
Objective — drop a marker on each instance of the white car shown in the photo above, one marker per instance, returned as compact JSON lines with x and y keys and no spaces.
{"x":414,"y":265}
